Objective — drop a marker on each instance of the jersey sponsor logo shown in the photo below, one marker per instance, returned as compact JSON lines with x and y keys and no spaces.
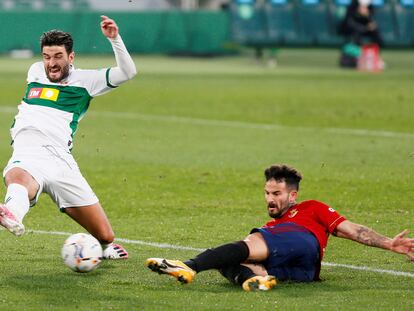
{"x":293,"y":213}
{"x":35,"y":93}
{"x":44,"y":93}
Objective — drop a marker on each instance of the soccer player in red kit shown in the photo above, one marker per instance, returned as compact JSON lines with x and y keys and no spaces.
{"x":290,"y":247}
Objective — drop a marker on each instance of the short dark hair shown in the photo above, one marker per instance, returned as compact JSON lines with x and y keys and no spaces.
{"x":57,"y":37}
{"x":283,"y":172}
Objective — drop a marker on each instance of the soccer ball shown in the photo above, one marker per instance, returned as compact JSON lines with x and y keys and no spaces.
{"x":82,"y":252}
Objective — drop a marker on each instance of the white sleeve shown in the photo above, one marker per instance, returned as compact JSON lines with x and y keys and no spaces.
{"x":36,"y":70}
{"x":125,"y":69}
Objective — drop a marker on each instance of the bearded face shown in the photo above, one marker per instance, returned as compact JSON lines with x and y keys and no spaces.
{"x":279,"y":198}
{"x":57,"y":62}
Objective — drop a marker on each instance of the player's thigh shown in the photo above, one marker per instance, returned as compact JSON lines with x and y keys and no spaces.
{"x":68,"y":188}
{"x":73,"y":195}
{"x":93,"y":219}
{"x":258,"y":250}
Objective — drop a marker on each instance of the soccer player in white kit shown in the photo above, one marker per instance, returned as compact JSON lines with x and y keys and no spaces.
{"x":57,"y":97}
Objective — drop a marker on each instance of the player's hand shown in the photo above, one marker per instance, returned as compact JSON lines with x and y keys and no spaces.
{"x":109,"y":27}
{"x":403,"y":245}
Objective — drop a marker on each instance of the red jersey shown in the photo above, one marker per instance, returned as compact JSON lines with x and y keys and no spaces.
{"x":315,"y":216}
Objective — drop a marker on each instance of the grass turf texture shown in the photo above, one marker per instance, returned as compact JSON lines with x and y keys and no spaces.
{"x":176,"y":156}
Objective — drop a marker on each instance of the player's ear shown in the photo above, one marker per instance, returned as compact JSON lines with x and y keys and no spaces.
{"x":292,"y":196}
{"x":71,"y":57}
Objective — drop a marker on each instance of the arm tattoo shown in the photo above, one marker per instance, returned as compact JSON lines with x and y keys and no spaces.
{"x":369,"y":237}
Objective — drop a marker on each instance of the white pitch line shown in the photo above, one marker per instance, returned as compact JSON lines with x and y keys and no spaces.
{"x":235,"y":124}
{"x":179,"y":247}
{"x":128,"y":241}
{"x":364,"y":268}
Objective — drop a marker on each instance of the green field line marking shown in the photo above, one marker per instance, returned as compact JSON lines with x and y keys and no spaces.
{"x":235,"y":124}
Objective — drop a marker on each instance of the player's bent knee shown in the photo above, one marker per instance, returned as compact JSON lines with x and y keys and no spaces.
{"x":258,"y":250}
{"x":19,"y":176}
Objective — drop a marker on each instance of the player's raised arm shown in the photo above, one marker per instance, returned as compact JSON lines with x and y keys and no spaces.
{"x":125,"y":69}
{"x":400,"y":244}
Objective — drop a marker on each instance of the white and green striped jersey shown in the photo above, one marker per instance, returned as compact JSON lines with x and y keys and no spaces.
{"x":56,"y":108}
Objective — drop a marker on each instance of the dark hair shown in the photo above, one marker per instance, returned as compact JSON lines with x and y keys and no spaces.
{"x":57,"y":37}
{"x":283,"y":172}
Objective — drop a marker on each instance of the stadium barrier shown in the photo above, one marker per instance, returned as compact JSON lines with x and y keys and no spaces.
{"x":261,"y":23}
{"x":175,"y":32}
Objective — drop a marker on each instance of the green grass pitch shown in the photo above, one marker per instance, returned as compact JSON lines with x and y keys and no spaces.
{"x":177,"y":155}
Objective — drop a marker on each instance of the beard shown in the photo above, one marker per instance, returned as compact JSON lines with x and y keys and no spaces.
{"x":64,"y":73}
{"x":275,"y":211}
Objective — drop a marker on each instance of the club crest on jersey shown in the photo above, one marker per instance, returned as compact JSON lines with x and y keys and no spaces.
{"x":293,"y":213}
{"x":44,"y":93}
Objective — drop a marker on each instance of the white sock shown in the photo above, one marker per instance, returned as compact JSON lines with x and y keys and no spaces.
{"x":106,"y":245}
{"x":17,"y":200}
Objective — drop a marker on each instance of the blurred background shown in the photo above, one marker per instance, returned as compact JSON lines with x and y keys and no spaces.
{"x":198,"y":27}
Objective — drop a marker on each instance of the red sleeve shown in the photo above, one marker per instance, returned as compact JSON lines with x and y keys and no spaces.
{"x":327,"y":216}
{"x":269,"y":223}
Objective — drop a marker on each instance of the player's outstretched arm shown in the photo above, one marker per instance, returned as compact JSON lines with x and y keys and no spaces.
{"x":125,"y":69}
{"x":400,"y":244}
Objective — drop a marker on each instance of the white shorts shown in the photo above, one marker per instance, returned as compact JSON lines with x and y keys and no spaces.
{"x":53,"y":167}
